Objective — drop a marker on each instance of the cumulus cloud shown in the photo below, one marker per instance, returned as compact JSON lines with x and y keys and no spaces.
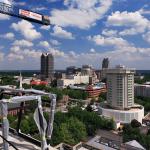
{"x":108,"y":41}
{"x":4,"y":17}
{"x":56,"y":52}
{"x":107,"y":32}
{"x":9,"y":36}
{"x":44,"y":27}
{"x":146,"y":37}
{"x":44,"y":44}
{"x":92,"y":50}
{"x":13,"y":56}
{"x":55,"y":42}
{"x":26,"y":29}
{"x":18,"y":53}
{"x":80,"y":14}
{"x":23,"y":43}
{"x":61,"y":33}
{"x":134,"y":22}
{"x":6,"y":1}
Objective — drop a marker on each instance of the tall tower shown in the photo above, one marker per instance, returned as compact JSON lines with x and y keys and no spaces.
{"x":47,"y":66}
{"x":105,"y":63}
{"x":120,"y":87}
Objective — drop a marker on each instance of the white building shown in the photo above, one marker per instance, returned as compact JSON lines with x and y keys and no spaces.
{"x":142,"y":90}
{"x":120,"y":87}
{"x":73,"y":79}
{"x":120,"y":96}
{"x":123,"y":116}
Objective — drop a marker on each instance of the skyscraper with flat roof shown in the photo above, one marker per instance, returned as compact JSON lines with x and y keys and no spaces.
{"x":105,"y":63}
{"x":120,"y":87}
{"x":47,"y":66}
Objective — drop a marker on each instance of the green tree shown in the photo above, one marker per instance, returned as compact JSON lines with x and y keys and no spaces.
{"x":135,"y":123}
{"x":25,"y":127}
{"x":72,"y":131}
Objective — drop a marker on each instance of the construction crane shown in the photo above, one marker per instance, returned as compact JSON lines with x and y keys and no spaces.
{"x":24,"y":14}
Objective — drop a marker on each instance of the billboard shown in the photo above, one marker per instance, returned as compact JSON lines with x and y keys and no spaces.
{"x":29,"y":14}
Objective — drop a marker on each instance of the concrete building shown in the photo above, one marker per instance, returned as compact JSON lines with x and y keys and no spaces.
{"x":123,"y":116}
{"x":142,"y":90}
{"x":47,"y":66}
{"x":120,"y":96}
{"x":73,"y":79}
{"x":72,"y":70}
{"x":120,"y":87}
{"x":88,"y":70}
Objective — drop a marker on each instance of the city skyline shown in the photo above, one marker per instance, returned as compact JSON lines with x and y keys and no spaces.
{"x":80,"y":33}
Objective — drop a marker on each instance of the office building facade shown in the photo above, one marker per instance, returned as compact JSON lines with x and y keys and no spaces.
{"x":47,"y":66}
{"x":120,"y":87}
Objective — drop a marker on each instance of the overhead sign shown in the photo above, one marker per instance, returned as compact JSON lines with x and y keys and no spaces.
{"x":46,"y":20}
{"x":25,"y":14}
{"x":29,"y":14}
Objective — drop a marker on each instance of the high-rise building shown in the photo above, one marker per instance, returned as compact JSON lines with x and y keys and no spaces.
{"x":105,"y":63}
{"x":120,"y":87}
{"x":47,"y":66}
{"x":120,"y":96}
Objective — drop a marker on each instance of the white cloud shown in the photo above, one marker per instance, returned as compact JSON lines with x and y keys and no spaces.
{"x":23,"y":43}
{"x":6,"y":1}
{"x":4,"y":17}
{"x":44,"y":44}
{"x":61,"y":33}
{"x":19,"y":3}
{"x":56,"y":52}
{"x":108,"y":41}
{"x":80,"y":14}
{"x":9,"y":36}
{"x":134,"y":22}
{"x":44,"y":27}
{"x":146,"y":37}
{"x":107,"y":32}
{"x":15,"y":49}
{"x":18,"y":53}
{"x":12,"y":56}
{"x":40,"y":8}
{"x":26,"y":29}
{"x":92,"y":50}
{"x":144,"y":12}
{"x":55,"y":42}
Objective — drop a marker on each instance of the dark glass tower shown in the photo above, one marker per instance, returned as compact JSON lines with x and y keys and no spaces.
{"x":105,"y":63}
{"x":47,"y":66}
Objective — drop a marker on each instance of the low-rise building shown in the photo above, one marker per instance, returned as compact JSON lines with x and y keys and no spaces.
{"x":146,"y":119}
{"x":73,"y":79}
{"x":142,"y":90}
{"x":92,"y":90}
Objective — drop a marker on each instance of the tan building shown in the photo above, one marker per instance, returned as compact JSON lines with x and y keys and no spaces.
{"x":120,"y":87}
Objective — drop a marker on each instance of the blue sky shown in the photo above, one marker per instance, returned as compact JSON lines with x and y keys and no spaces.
{"x":81,"y":32}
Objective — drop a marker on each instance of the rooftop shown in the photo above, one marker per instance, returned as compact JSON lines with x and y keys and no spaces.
{"x":19,"y":143}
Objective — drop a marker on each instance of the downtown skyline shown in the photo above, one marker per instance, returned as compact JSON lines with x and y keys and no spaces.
{"x":80,"y":33}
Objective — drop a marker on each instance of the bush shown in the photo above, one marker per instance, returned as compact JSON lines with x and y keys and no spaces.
{"x":135,"y":123}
